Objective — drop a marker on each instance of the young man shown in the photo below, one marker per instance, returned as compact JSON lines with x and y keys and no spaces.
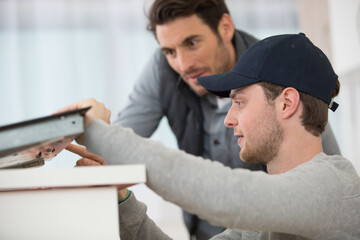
{"x":196,"y":38}
{"x":281,"y":89}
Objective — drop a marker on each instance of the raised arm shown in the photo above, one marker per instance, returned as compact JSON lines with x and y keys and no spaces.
{"x":233,"y":198}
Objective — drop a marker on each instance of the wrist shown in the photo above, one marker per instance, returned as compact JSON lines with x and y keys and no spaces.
{"x":123,"y":195}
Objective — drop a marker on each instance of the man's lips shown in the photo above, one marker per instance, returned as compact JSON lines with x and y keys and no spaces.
{"x":240,"y":139}
{"x":193,"y":77}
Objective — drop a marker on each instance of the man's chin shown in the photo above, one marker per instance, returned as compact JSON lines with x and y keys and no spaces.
{"x":200,"y":91}
{"x":251,"y":159}
{"x":244,"y":159}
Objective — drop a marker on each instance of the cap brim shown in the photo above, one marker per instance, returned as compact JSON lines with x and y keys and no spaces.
{"x":221,"y":84}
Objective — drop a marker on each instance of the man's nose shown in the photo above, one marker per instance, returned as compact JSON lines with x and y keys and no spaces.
{"x":230,"y":120}
{"x":185,"y":61}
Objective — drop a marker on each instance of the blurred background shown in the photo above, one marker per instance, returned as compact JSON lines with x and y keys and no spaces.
{"x":55,"y":52}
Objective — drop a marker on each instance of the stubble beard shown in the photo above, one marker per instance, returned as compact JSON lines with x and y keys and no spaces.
{"x":263,"y":147}
{"x":221,"y":65}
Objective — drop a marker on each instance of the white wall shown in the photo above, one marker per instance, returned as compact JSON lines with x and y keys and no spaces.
{"x":345,"y":46}
{"x":345,"y":34}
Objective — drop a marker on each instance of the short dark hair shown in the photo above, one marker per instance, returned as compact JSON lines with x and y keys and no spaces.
{"x":315,"y":113}
{"x":165,"y":11}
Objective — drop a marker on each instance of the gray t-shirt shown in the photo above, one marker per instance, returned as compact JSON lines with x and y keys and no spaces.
{"x":319,"y":199}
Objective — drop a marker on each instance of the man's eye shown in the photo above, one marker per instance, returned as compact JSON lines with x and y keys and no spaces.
{"x":169,"y":52}
{"x":238,"y":103}
{"x":192,"y":43}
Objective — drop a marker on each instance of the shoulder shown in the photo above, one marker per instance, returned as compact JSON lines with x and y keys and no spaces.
{"x":159,"y":59}
{"x":335,"y":163}
{"x":342,"y":168}
{"x":245,"y":37}
{"x":242,"y":41}
{"x":322,"y":162}
{"x":156,"y":70}
{"x":331,"y":170}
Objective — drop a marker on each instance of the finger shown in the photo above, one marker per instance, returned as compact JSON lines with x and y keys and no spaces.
{"x":81,"y":151}
{"x":86,"y":162}
{"x":77,"y":105}
{"x":108,"y":113}
{"x":70,"y":107}
{"x":78,"y":163}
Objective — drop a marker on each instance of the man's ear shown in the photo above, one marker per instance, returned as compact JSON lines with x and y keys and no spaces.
{"x":289,"y":102}
{"x":226,"y":27}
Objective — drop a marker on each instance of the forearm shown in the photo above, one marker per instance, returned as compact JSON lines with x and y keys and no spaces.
{"x":134,"y":222}
{"x":186,"y":180}
{"x":233,"y":198}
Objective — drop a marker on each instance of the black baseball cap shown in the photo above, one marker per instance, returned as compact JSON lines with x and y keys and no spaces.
{"x":289,"y":60}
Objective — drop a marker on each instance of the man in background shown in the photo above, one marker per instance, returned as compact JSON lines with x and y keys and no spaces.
{"x":196,"y":38}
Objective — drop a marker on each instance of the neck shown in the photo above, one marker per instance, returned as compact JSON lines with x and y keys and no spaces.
{"x":294,"y":152}
{"x":232,"y":56}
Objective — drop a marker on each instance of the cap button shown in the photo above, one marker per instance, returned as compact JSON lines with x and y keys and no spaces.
{"x":303,"y":34}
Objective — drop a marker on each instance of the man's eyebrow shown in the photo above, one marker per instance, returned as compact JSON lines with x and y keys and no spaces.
{"x":234,"y":92}
{"x":165,"y":49}
{"x":184,"y":42}
{"x":189,"y":38}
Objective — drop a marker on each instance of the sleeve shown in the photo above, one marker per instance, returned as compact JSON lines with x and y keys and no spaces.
{"x":135,"y":224}
{"x":295,"y":202}
{"x":143,"y":110}
{"x":329,"y":142}
{"x":229,"y":234}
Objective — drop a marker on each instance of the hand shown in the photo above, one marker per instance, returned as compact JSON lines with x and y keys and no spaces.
{"x":122,"y":194}
{"x":89,"y":159}
{"x":97,"y":111}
